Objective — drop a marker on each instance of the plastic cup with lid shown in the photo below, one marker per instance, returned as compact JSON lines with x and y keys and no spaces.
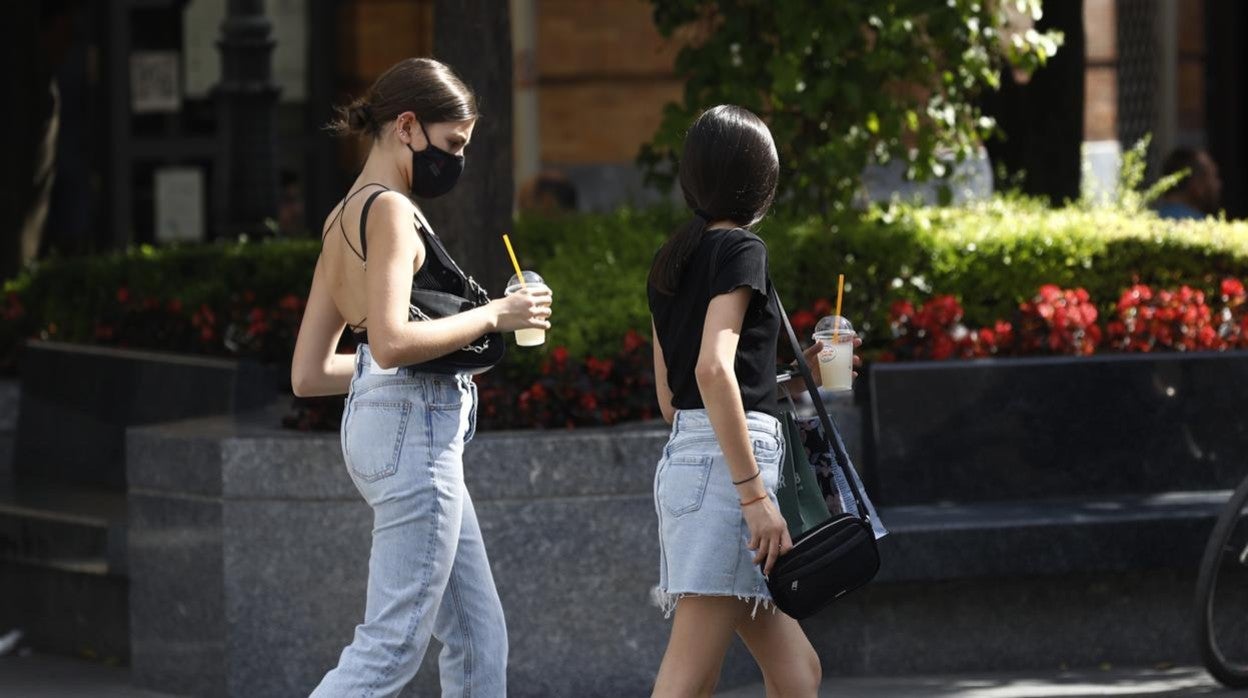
{"x":836,"y":357}
{"x":528,"y":337}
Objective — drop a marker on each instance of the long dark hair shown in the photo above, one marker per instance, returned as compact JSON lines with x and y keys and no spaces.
{"x":423,"y":86}
{"x":728,"y":171}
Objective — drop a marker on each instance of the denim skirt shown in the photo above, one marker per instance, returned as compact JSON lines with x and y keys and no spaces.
{"x":702,"y":530}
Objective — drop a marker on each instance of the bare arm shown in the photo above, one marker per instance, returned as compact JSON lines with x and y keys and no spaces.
{"x":316,"y":368}
{"x":717,"y":382}
{"x":662,"y":390}
{"x":393,"y":339}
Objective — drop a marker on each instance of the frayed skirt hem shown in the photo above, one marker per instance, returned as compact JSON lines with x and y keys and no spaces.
{"x":666,"y":600}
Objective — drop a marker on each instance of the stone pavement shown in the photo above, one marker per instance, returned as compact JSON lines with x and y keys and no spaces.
{"x":1186,"y":681}
{"x":42,"y":676}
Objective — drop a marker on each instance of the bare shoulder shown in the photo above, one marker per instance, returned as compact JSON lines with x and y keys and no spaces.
{"x":391,"y":221}
{"x":390,"y":207}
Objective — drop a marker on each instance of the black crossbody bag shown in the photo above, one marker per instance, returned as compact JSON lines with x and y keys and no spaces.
{"x":428,"y":304}
{"x":834,"y":557}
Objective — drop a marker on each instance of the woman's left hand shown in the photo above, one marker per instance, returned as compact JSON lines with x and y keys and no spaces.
{"x":812,"y":356}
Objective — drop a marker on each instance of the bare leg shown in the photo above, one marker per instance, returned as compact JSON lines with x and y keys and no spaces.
{"x":695,"y":652}
{"x":790,"y":665}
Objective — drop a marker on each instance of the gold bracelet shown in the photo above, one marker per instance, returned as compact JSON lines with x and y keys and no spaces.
{"x":757,"y":499}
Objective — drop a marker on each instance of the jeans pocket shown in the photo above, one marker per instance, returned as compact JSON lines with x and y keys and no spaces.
{"x":373,"y":435}
{"x":682,"y":483}
{"x":767,"y":450}
{"x":443,"y":394}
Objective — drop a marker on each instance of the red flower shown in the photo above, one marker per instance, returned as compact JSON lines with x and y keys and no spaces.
{"x":560,"y":355}
{"x":175,"y":306}
{"x":901,"y":310}
{"x":123,"y":295}
{"x":803,"y":321}
{"x":291,"y":303}
{"x":1232,"y":289}
{"x":633,"y":340}
{"x":599,"y":368}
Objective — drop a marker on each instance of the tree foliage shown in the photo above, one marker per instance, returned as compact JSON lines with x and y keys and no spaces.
{"x":843,"y":84}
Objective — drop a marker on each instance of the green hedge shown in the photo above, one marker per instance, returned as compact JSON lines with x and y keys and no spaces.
{"x":990,"y":256}
{"x":994,"y":255}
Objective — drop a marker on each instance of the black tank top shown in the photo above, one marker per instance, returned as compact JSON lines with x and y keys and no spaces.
{"x":435,"y":274}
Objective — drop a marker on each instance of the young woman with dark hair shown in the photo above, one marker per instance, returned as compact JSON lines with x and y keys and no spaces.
{"x":715,"y":333}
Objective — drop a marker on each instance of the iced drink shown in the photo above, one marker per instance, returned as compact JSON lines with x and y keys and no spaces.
{"x":836,"y":356}
{"x":528,"y":337}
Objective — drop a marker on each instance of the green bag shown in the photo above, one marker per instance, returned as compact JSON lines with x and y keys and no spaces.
{"x":801,"y":500}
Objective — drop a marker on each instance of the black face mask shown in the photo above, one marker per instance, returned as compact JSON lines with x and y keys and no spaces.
{"x":434,"y":171}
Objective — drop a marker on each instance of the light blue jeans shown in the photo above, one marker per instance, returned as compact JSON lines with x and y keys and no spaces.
{"x":403,"y":437}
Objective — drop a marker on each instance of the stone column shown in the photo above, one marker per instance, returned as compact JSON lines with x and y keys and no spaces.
{"x":247,"y":100}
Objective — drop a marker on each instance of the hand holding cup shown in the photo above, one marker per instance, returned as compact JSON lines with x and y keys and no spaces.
{"x":533,"y":289}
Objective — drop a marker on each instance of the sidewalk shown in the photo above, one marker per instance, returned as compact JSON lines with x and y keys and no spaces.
{"x":1186,"y":681}
{"x":42,"y":676}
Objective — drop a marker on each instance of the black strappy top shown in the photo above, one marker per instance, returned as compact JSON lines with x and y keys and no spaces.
{"x":434,"y":274}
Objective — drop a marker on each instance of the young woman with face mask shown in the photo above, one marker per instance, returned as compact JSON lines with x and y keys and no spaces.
{"x":715,"y":334}
{"x":409,"y":410}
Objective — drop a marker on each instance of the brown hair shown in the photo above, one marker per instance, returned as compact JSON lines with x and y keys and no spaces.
{"x":426,"y":87}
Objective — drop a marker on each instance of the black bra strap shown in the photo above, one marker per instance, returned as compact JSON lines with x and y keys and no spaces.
{"x":368,"y":203}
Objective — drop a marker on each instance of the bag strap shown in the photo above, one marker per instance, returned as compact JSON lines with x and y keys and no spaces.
{"x":470,"y":284}
{"x":368,"y":203}
{"x":829,"y":427}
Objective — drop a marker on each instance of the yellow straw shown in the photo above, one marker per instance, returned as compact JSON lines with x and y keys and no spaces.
{"x":840,"y":292}
{"x":516,"y":263}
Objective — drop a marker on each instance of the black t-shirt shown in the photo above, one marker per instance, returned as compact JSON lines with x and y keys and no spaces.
{"x":724,"y":261}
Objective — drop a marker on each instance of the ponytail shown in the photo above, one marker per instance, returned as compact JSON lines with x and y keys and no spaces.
{"x":670,"y":262}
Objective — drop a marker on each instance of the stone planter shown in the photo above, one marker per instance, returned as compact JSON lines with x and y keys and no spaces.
{"x":1004,"y":429}
{"x":249,"y":549}
{"x":10,"y":396}
{"x":77,"y":400}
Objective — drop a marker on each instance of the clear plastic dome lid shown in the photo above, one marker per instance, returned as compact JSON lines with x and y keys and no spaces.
{"x":833,"y":325}
{"x":530,"y":277}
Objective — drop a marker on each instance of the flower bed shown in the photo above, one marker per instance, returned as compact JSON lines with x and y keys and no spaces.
{"x":1060,"y":321}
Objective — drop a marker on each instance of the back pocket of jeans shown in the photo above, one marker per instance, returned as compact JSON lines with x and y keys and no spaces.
{"x":682,"y":486}
{"x":374,"y":433}
{"x":767,"y":450}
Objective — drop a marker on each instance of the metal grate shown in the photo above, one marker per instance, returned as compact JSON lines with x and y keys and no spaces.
{"x":1138,"y":74}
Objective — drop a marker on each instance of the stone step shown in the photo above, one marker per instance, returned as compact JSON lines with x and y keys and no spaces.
{"x":1025,"y":586}
{"x":71,"y":530}
{"x":63,"y":570}
{"x":1047,"y":537}
{"x":66,"y":606}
